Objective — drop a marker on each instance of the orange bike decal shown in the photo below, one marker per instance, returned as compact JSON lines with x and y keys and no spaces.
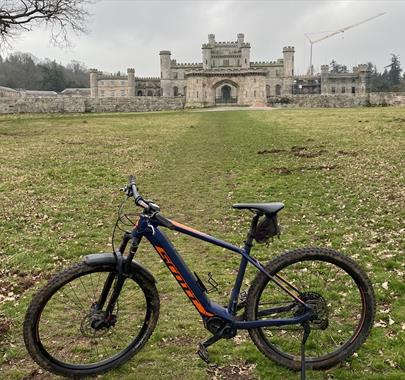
{"x":190,"y":294}
{"x":177,"y":224}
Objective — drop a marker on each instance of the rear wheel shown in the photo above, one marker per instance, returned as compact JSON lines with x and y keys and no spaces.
{"x":66,"y":334}
{"x":337,"y":287}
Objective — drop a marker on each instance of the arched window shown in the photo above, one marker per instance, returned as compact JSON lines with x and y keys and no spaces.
{"x":150,"y":93}
{"x":278,"y":89}
{"x":139,"y":93}
{"x":185,"y":90}
{"x":175,"y":91}
{"x":267,"y":90}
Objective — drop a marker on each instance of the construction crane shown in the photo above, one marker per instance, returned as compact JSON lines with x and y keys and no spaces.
{"x":342,"y":30}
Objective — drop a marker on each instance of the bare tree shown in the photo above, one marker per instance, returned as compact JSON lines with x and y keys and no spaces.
{"x":61,"y":16}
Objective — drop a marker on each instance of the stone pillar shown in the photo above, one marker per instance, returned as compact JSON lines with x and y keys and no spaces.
{"x":131,"y":82}
{"x":165,"y":72}
{"x":94,"y":83}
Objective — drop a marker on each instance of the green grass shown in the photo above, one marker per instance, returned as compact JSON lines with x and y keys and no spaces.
{"x":339,"y":172}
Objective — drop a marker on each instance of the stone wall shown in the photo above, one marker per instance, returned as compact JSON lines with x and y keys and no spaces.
{"x":60,"y":104}
{"x":374,"y":99}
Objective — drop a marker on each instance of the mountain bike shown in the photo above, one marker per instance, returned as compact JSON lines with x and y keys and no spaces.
{"x":307,"y":308}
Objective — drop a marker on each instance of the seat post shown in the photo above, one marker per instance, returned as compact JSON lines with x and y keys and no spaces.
{"x":233,"y":301}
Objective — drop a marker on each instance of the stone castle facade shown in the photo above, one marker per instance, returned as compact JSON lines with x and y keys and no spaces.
{"x":227,"y":75}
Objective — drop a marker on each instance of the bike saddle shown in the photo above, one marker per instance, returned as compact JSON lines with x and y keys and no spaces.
{"x":266,"y":208}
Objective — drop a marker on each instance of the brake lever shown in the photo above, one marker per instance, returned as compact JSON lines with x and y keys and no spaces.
{"x":127,"y":190}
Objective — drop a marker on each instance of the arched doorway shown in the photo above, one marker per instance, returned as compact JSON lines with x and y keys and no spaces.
{"x":139,"y":93}
{"x":226,"y":92}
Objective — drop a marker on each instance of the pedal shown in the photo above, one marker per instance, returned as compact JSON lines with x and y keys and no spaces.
{"x":203,"y":353}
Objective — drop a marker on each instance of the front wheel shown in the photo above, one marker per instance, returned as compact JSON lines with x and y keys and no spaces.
{"x":339,"y":290}
{"x":66,"y":333}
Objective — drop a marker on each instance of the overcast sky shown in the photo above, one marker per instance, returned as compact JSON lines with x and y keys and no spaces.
{"x":131,"y":33}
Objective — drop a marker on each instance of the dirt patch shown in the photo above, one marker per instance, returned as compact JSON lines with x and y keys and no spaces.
{"x":347,"y":153}
{"x":320,"y":167}
{"x":303,"y":151}
{"x":271,"y":151}
{"x":38,"y":374}
{"x":5,"y":325}
{"x":239,"y":371}
{"x":13,"y":283}
{"x":176,"y":341}
{"x":398,"y":120}
{"x":285,"y":171}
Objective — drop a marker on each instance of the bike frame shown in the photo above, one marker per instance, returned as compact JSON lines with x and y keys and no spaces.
{"x":149,"y":227}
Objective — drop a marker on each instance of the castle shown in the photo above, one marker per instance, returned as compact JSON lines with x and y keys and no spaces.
{"x":226,"y":75}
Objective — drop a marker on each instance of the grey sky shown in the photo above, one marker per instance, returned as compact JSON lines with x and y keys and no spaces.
{"x":131,"y":33}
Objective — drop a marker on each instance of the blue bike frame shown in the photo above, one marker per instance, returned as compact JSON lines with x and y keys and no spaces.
{"x":150,"y":228}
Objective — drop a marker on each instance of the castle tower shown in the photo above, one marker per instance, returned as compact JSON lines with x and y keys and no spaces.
{"x":364,"y":78}
{"x":288,"y":65}
{"x":245,"y":53}
{"x":211,"y":40}
{"x":131,"y":82}
{"x":165,"y":72}
{"x":288,"y":54}
{"x":206,"y":55}
{"x":94,"y":83}
{"x":324,"y":79}
{"x":241,"y":39}
{"x":324,"y":69}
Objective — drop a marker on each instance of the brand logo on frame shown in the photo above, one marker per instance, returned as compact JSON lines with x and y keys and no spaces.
{"x":190,"y":294}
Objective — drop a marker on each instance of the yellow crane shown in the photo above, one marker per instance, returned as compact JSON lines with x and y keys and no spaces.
{"x":342,"y":30}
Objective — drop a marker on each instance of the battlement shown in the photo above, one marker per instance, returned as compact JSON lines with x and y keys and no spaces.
{"x":288,"y":49}
{"x":361,"y":68}
{"x":234,"y":44}
{"x":175,"y":64}
{"x":265,"y":63}
{"x":103,"y":76}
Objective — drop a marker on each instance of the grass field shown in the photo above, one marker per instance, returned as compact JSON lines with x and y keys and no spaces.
{"x":339,"y":172}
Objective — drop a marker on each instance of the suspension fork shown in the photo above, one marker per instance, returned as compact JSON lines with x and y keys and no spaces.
{"x":123,"y":268}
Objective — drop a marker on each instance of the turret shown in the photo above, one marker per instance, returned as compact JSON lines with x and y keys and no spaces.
{"x":211,"y":39}
{"x":324,"y":69}
{"x":206,"y":55}
{"x":364,"y":78}
{"x":131,"y":82}
{"x":94,"y":83}
{"x":245,"y":56}
{"x":165,"y":72}
{"x":165,"y":60}
{"x":288,"y":54}
{"x":241,"y":39}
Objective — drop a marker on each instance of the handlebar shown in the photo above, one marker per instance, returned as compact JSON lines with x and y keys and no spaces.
{"x":131,"y":190}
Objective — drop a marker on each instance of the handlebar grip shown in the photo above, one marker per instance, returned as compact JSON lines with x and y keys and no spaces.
{"x":131,"y":180}
{"x":137,"y":197}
